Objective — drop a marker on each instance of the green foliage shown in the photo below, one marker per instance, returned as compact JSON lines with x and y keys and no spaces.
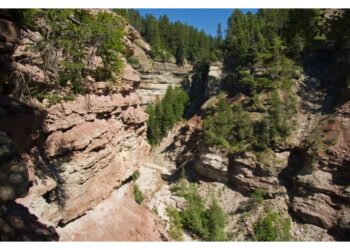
{"x":194,"y":215}
{"x":208,"y":224}
{"x":277,"y":123}
{"x":71,"y":33}
{"x":160,"y":55}
{"x":230,"y":127}
{"x":272,"y":227}
{"x":258,"y":195}
{"x":256,"y":51}
{"x":133,"y":16}
{"x":218,"y":125}
{"x":315,"y":143}
{"x":138,"y":194}
{"x":165,"y":113}
{"x":53,"y":98}
{"x":176,"y":227}
{"x":169,"y":39}
{"x":216,"y":220}
{"x":302,"y":25}
{"x":254,"y":39}
{"x":135,"y":175}
{"x":227,"y":126}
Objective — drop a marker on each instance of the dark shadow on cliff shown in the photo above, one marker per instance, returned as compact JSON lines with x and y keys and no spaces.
{"x":18,"y":224}
{"x":295,"y":164}
{"x":328,"y":65}
{"x":23,"y":124}
{"x":186,"y":170}
{"x":196,"y":87}
{"x":185,"y":158}
{"x":46,"y":168}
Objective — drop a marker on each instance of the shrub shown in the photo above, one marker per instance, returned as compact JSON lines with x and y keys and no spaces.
{"x":176,"y":227}
{"x":258,"y":195}
{"x":272,"y":227}
{"x":248,"y":84}
{"x":226,"y":126}
{"x":135,"y":175}
{"x":68,"y":36}
{"x":160,"y":55}
{"x":194,"y":216}
{"x":134,"y":62}
{"x":138,"y":194}
{"x":208,"y":224}
{"x":216,"y":219}
{"x":53,"y":98}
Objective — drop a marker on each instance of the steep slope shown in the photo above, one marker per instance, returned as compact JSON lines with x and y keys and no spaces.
{"x":69,"y":174}
{"x":82,"y":156}
{"x":306,"y":180}
{"x":155,"y":76}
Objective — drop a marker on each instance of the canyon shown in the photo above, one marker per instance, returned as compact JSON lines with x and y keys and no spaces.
{"x":67,"y":168}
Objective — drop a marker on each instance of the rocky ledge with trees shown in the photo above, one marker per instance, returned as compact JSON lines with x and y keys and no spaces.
{"x":249,"y":131}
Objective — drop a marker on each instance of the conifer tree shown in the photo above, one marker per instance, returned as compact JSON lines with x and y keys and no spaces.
{"x":219,"y":33}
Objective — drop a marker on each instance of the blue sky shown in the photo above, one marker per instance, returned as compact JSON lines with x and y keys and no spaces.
{"x":206,"y":19}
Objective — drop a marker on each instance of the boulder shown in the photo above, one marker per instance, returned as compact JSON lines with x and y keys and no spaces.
{"x":212,"y":164}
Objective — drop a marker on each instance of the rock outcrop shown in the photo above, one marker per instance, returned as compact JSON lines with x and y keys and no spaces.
{"x":87,"y":148}
{"x":247,"y":173}
{"x":127,"y":221}
{"x":322,"y":193}
{"x":310,"y":181}
{"x":79,"y":160}
{"x":90,"y":146}
{"x":156,"y":76}
{"x":216,"y":75}
{"x":213,"y":164}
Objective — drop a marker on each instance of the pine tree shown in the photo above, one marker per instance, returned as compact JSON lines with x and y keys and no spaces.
{"x":304,"y":23}
{"x":169,"y":114}
{"x":165,"y":113}
{"x":160,"y":121}
{"x":164,"y":30}
{"x":219,"y":33}
{"x":152,"y":32}
{"x":151,"y":128}
{"x":215,"y":222}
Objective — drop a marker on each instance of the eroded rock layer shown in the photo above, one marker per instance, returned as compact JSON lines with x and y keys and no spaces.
{"x":155,"y":76}
{"x":90,"y":146}
{"x":126,"y":221}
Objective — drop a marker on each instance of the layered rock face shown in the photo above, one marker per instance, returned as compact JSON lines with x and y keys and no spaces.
{"x":156,"y":77}
{"x":89,"y":148}
{"x":91,"y":145}
{"x":213,"y":164}
{"x":312,"y":185}
{"x":247,"y":173}
{"x":75,"y":156}
{"x":216,"y":75}
{"x":322,"y":194}
{"x":126,"y":221}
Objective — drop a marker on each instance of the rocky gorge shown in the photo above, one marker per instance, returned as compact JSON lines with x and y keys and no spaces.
{"x":81,"y":157}
{"x":67,"y":169}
